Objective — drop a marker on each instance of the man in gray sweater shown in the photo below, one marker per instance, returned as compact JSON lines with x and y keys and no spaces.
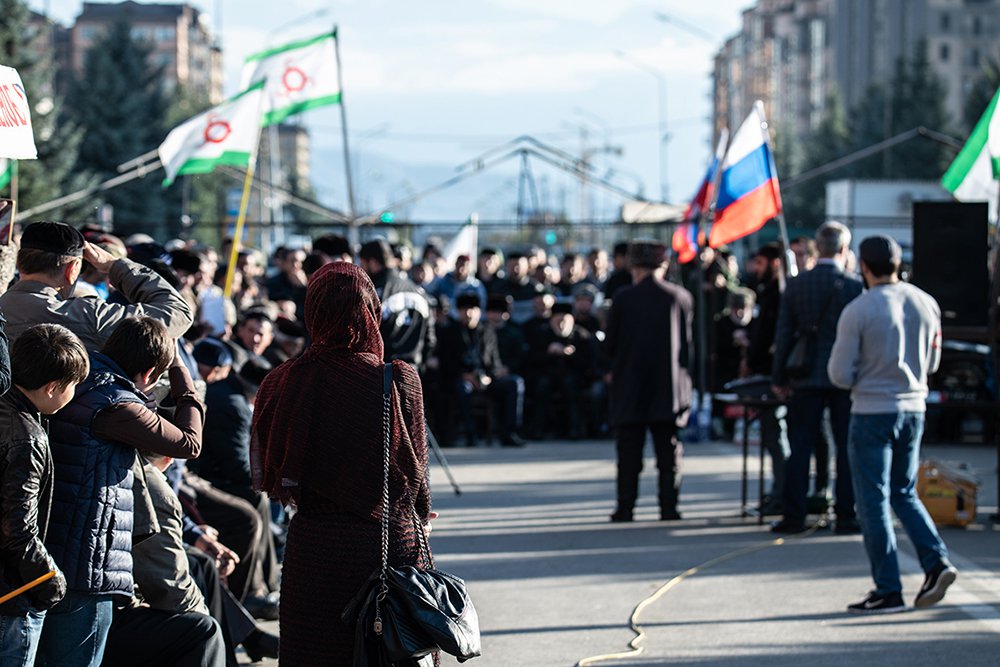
{"x":888,"y":341}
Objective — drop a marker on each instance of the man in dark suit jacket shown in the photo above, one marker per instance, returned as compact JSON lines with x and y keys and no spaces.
{"x":814,"y":300}
{"x":649,"y":344}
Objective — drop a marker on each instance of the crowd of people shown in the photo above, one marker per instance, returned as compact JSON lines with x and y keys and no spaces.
{"x":133,"y":502}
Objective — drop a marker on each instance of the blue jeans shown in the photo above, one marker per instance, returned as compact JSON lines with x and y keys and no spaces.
{"x":884,"y":454}
{"x":19,"y":637}
{"x":76,"y":630}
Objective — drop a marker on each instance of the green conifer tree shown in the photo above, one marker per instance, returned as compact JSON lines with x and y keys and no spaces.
{"x":118,"y":100}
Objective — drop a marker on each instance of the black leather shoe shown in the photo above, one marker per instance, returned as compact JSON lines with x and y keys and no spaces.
{"x":621,"y":516}
{"x":784,"y":527}
{"x":260,"y":645}
{"x":263,"y":608}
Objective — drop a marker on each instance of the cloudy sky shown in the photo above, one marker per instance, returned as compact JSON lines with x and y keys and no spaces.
{"x":429,"y":85}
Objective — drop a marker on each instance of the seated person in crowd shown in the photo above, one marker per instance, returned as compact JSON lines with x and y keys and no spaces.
{"x":518,"y":285}
{"x":47,"y":362}
{"x":470,"y":362}
{"x":563,"y":358}
{"x":573,"y":273}
{"x":50,"y":259}
{"x":225,"y":466}
{"x":584,"y":309}
{"x":94,"y":441}
{"x":289,"y":284}
{"x":255,"y":332}
{"x":510,"y":339}
{"x":167,"y":621}
{"x":459,"y":281}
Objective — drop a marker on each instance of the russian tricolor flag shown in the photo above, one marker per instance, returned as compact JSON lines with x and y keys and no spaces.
{"x":749,"y":195}
{"x":685,"y":241}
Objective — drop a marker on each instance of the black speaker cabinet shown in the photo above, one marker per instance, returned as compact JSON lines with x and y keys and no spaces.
{"x":949,"y":259}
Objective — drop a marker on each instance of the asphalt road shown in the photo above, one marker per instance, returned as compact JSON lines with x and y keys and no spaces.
{"x":554,"y":582}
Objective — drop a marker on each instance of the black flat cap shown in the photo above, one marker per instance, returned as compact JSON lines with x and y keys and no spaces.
{"x":55,"y":237}
{"x":467,"y":300}
{"x":213,"y":353}
{"x":562,"y":308}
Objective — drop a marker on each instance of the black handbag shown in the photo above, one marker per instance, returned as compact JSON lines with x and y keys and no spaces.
{"x":802,"y":355}
{"x":403,"y":614}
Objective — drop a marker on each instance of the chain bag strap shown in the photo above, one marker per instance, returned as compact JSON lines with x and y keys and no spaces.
{"x":386,"y":444}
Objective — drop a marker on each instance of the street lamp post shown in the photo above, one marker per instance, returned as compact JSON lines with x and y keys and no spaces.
{"x":661,"y":87}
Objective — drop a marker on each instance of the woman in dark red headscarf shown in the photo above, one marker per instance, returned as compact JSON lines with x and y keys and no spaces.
{"x":318,"y":445}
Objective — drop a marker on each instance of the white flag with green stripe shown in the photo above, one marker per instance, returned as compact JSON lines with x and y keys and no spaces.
{"x":300,"y":76}
{"x":6,"y":171}
{"x":223,"y":135}
{"x":974,"y":174}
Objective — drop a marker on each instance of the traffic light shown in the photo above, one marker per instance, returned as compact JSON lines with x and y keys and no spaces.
{"x":387,"y":216}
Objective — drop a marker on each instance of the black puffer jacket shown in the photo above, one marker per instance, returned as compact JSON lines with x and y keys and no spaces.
{"x":25,"y":502}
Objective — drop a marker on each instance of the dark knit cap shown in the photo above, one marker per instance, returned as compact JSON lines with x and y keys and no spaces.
{"x":212,"y":353}
{"x":55,"y":237}
{"x":647,"y":254}
{"x":562,"y":308}
{"x":880,"y":250}
{"x":498,"y":303}
{"x":467,"y":300}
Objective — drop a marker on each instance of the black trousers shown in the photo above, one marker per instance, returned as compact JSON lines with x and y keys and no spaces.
{"x":235,"y":621}
{"x":669,"y":452}
{"x":805,"y":421}
{"x":268,"y":553}
{"x":240,"y":528}
{"x":156,"y":638}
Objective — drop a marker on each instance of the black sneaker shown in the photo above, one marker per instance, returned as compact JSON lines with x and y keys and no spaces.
{"x":621,"y":516}
{"x":891,"y":603}
{"x":936,"y":583}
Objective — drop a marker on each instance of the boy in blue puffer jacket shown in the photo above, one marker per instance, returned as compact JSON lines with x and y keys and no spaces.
{"x":94,"y":441}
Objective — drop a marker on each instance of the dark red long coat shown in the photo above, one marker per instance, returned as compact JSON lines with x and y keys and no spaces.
{"x":318,"y":444}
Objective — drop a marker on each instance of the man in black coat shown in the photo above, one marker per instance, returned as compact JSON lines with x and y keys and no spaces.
{"x":649,"y":344}
{"x":814,"y":301}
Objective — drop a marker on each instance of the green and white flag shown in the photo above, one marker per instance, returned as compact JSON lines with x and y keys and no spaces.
{"x":6,"y":171}
{"x":974,"y":174}
{"x":223,"y":135}
{"x":300,"y":76}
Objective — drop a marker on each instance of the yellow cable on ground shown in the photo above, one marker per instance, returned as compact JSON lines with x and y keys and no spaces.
{"x":640,"y":634}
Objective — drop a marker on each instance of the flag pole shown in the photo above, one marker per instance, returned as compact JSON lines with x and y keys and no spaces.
{"x":13,"y":182}
{"x":351,"y":211}
{"x":234,"y":253}
{"x":791,"y":268}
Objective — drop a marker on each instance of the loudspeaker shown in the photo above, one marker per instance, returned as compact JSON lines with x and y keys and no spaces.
{"x":949,"y":259}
